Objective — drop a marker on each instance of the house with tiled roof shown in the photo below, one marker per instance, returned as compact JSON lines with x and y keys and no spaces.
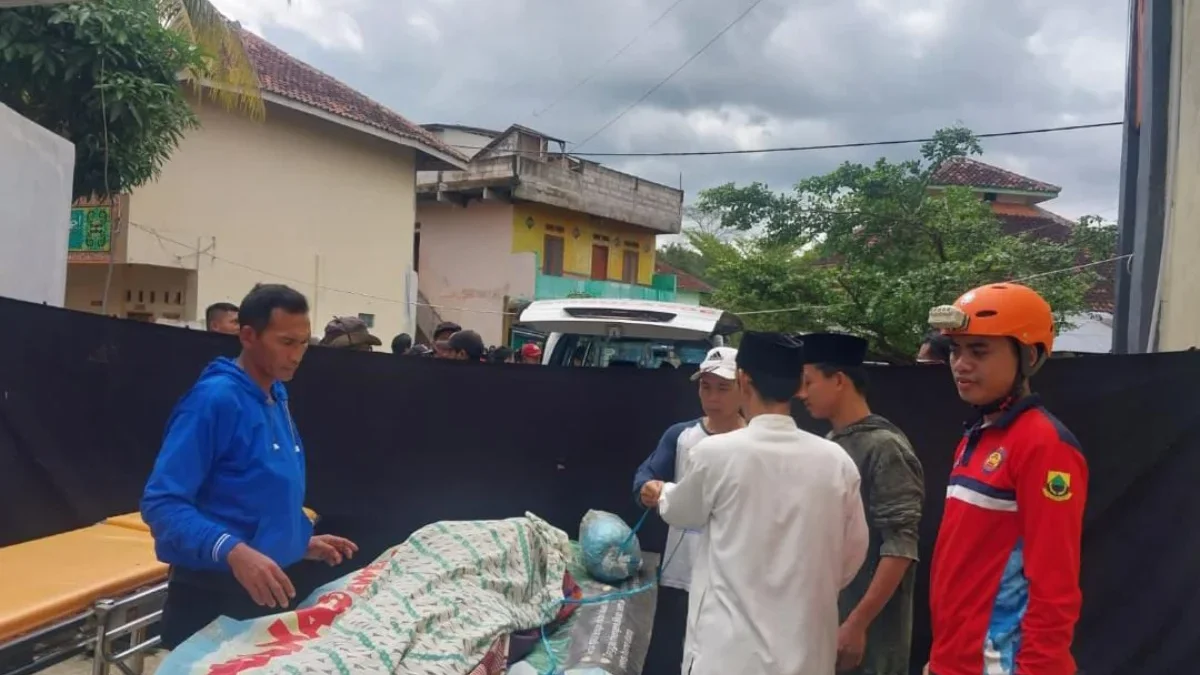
{"x":525,"y":221}
{"x":689,"y":288}
{"x":1017,"y":201}
{"x":320,"y":195}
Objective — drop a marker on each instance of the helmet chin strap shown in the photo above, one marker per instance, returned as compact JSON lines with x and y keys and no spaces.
{"x":1029,"y":361}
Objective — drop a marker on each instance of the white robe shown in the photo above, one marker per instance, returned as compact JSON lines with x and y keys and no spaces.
{"x":783,"y":533}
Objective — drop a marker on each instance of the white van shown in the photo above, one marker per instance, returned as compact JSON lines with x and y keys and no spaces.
{"x":595,"y":332}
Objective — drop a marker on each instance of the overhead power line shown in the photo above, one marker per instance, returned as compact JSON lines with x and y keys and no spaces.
{"x":612,"y":58}
{"x":191,"y":249}
{"x":672,"y":74}
{"x":809,"y":148}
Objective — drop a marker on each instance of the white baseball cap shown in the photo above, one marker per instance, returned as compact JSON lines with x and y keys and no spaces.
{"x":720,"y":361}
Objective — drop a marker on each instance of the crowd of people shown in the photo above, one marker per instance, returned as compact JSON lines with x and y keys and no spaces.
{"x":449,"y":341}
{"x":797,"y":555}
{"x":793,"y":554}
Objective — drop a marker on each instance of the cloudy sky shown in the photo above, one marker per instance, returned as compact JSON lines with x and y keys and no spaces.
{"x":792,"y":72}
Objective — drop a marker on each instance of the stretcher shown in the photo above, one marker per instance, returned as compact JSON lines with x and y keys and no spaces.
{"x":81,"y":592}
{"x":97,"y":590}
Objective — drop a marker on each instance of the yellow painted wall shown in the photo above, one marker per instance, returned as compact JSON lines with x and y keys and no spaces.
{"x":577,"y":251}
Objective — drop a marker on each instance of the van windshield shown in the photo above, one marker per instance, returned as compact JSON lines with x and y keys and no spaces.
{"x":602,"y":352}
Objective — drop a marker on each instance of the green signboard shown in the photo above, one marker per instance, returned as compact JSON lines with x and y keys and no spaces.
{"x":91,"y":230}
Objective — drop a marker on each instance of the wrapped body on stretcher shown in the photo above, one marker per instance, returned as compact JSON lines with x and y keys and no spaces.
{"x":82,"y":592}
{"x":457,"y":597}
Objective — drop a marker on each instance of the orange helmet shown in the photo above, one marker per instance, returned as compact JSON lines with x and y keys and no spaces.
{"x":999,"y":310}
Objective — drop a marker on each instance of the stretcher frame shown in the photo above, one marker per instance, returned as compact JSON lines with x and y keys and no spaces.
{"x":94,"y":631}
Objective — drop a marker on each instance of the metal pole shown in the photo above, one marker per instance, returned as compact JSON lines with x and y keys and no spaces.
{"x":100,"y":649}
{"x":316,"y":284}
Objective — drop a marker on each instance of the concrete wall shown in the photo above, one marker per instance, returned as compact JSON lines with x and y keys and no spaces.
{"x":466,"y":142}
{"x":600,"y":191}
{"x":292,"y":200}
{"x":468,"y":265}
{"x":1153,"y":69}
{"x":36,"y":177}
{"x":1178,"y":324}
{"x":167,"y":293}
{"x":584,"y":187}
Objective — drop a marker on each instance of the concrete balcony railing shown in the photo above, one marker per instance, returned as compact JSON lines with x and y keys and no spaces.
{"x":547,"y":287}
{"x":563,"y":182}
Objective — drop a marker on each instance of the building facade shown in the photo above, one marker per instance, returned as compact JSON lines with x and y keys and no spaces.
{"x":1159,"y":285}
{"x":320,"y":196}
{"x":1017,"y":201}
{"x":526,"y":221}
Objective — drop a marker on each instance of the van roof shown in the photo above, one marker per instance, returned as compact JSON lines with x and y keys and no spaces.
{"x":629,"y":318}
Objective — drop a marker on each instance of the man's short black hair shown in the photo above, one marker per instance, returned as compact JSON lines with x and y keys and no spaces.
{"x":467,"y":341}
{"x":939,"y":345}
{"x":856,"y":374}
{"x":216,"y":309}
{"x":401,"y":343}
{"x":774,"y":388}
{"x":500,"y":354}
{"x":264,"y":299}
{"x":444,"y":329}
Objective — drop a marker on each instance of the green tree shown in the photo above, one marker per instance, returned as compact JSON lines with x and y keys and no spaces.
{"x":685,"y":258}
{"x":104,"y":75}
{"x":869,"y":250}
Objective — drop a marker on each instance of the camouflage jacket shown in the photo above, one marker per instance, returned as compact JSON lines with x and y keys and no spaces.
{"x":893,"y":489}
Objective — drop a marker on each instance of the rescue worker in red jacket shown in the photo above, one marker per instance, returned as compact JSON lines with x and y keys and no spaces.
{"x":1004,"y":584}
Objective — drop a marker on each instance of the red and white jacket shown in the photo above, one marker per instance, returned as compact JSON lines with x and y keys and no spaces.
{"x":1004,"y":586}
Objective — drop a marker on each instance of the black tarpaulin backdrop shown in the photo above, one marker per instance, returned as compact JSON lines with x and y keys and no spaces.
{"x":394,"y":444}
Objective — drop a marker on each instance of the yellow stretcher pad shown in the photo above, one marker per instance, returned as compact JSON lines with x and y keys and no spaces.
{"x":56,"y":577}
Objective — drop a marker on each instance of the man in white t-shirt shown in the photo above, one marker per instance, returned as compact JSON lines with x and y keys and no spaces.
{"x":720,"y":402}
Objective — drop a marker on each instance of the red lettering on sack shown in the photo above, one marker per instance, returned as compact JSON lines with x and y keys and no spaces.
{"x":309,"y":620}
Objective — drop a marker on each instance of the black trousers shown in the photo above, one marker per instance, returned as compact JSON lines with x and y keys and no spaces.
{"x":666,"y":639}
{"x":194,"y":598}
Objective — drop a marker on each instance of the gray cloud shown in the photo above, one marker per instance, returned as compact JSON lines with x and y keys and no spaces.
{"x":792,"y":73}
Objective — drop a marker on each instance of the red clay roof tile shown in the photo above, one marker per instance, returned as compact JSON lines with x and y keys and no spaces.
{"x":683,"y":280}
{"x":1043,"y":224}
{"x":973,"y":173}
{"x":283,"y":75}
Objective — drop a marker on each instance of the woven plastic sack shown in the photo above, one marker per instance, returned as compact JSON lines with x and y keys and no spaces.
{"x":609,"y":553}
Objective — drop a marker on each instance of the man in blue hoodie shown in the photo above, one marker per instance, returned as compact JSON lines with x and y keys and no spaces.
{"x":225,"y":499}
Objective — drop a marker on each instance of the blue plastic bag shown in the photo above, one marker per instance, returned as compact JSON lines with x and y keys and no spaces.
{"x":609,"y":553}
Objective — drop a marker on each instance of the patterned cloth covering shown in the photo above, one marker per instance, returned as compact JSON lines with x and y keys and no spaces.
{"x":441,"y":603}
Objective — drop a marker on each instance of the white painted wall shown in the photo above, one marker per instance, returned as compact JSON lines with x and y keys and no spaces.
{"x":294,"y":200}
{"x":36,"y":178}
{"x":467,"y":266}
{"x":1091,"y":334}
{"x":1178,"y":325}
{"x":466,"y":142}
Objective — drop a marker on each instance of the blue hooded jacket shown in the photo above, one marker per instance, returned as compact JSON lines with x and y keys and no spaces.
{"x":230,"y":470}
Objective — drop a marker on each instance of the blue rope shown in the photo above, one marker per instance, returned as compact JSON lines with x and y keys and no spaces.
{"x":552,"y":669}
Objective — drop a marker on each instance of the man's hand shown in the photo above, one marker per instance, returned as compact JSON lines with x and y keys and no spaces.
{"x":330,"y":549}
{"x":651,"y":492}
{"x":852,"y":642}
{"x":266,"y":583}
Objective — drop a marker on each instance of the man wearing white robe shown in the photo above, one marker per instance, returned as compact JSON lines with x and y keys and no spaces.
{"x":783,"y":530}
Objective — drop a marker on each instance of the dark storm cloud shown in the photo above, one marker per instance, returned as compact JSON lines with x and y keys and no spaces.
{"x":791,"y":73}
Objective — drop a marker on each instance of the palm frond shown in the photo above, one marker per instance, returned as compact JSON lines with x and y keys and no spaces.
{"x":230,"y":67}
